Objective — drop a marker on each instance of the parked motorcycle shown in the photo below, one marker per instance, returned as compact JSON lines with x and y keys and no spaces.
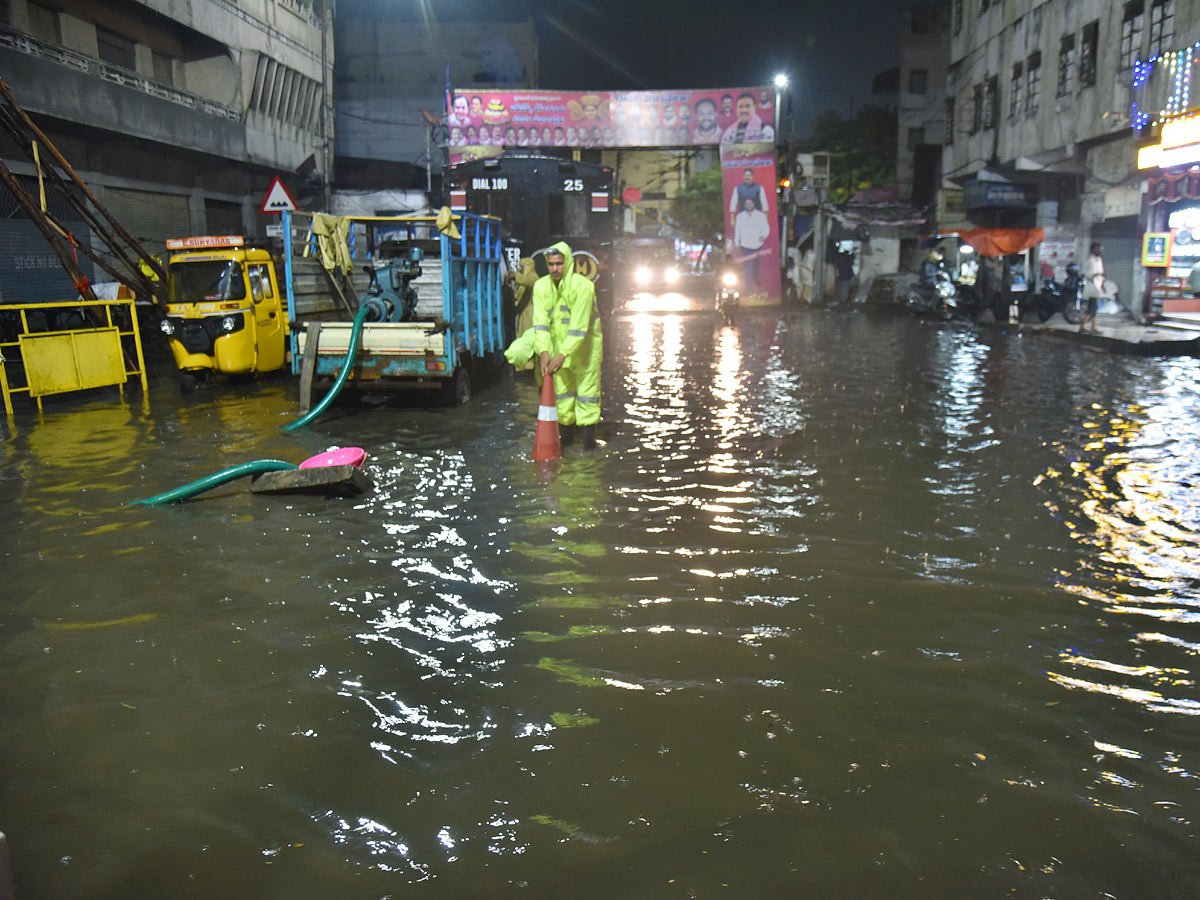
{"x":969,"y":301}
{"x":1064,"y":297}
{"x":728,"y":297}
{"x":936,"y":297}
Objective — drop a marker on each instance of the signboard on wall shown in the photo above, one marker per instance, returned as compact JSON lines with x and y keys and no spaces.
{"x":1055,"y":251}
{"x":993,"y":194}
{"x":1156,"y":249}
{"x":485,"y":123}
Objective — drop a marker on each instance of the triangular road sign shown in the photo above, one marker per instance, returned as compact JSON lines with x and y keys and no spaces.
{"x":278,"y":199}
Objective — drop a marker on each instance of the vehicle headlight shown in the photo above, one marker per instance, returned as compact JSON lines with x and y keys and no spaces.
{"x":167,"y":326}
{"x":729,"y":279}
{"x":671,"y":274}
{"x":945,"y":290}
{"x":229,"y":323}
{"x":642,"y":275}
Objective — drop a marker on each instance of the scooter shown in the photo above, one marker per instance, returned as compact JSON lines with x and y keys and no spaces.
{"x":728,"y":297}
{"x":938,"y":297}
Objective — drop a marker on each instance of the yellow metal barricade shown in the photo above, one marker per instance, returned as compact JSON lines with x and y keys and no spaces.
{"x":39,"y":363}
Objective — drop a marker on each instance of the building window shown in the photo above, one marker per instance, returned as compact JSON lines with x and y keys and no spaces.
{"x":1033,"y":83}
{"x":991,"y":99}
{"x":915,"y":136}
{"x":918,"y":81}
{"x":1131,"y":33}
{"x":918,"y":20}
{"x":164,"y":70}
{"x":44,"y":23}
{"x":1066,"y":62}
{"x":1014,"y":90}
{"x":115,"y":48}
{"x":957,"y":13}
{"x":984,"y":4}
{"x":949,"y":137}
{"x":1088,"y":49}
{"x":976,"y":108}
{"x":1162,"y":25}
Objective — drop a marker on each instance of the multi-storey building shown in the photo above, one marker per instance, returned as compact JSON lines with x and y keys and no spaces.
{"x":924,"y":53}
{"x":394,"y":61}
{"x":1043,"y":115}
{"x":177,"y":115}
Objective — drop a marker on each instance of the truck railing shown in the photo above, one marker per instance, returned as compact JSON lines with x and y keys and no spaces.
{"x":472,"y":272}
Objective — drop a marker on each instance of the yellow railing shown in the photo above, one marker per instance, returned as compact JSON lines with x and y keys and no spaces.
{"x":105,"y":351}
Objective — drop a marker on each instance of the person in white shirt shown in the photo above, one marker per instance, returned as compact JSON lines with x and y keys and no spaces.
{"x":751,"y":229}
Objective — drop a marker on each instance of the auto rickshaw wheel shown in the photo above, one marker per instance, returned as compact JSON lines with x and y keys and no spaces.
{"x":187,"y":382}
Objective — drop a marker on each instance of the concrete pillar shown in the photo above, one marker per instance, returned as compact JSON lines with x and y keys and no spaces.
{"x":196,"y":214}
{"x":248,"y":221}
{"x":819,"y":248}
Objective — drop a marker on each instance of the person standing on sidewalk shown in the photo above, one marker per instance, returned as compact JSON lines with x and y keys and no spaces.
{"x":569,"y":342}
{"x":844,"y":272}
{"x":1093,"y":287}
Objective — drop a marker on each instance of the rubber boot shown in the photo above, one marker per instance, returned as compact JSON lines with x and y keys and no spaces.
{"x":589,"y":436}
{"x":566,"y":435}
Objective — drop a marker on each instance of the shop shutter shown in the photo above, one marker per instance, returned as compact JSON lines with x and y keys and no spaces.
{"x":223,"y":218}
{"x":150,"y":217}
{"x":30,"y":271}
{"x":1122,"y":253}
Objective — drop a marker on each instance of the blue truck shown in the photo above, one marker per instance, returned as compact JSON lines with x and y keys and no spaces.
{"x":434,"y":296}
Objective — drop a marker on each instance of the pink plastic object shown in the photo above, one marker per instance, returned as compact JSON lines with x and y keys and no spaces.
{"x":339,"y":456}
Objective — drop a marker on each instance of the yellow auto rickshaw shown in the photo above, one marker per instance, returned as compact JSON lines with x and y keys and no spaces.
{"x":225,"y":311}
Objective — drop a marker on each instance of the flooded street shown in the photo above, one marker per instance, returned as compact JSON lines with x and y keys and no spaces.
{"x":848,"y":605}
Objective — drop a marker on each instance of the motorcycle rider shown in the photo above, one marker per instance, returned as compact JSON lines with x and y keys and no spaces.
{"x":727,"y":281}
{"x":934,"y":263}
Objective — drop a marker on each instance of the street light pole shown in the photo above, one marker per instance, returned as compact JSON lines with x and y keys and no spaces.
{"x":781,"y":83}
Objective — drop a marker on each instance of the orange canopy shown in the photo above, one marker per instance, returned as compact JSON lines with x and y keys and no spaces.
{"x":1002,"y":241}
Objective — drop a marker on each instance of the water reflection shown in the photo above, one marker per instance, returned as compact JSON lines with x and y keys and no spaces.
{"x":1131,"y":502}
{"x":805,"y":625}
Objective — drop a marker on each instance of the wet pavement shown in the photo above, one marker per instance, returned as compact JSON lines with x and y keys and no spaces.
{"x":848,"y":604}
{"x":1120,"y":333}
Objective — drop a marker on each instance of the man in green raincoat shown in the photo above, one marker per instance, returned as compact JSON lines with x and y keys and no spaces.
{"x":569,"y":342}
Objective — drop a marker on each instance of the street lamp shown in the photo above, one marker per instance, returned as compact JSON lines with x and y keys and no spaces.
{"x":781,"y":83}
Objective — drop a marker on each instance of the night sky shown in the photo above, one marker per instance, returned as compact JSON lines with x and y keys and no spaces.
{"x":642,"y":44}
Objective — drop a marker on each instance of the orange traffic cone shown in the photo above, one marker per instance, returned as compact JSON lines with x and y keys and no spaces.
{"x":545,"y":441}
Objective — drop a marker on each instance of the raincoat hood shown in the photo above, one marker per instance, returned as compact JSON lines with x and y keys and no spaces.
{"x":568,"y":259}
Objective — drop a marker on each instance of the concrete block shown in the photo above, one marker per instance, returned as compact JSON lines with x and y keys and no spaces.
{"x":331,"y":481}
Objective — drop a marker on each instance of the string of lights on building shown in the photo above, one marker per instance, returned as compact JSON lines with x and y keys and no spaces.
{"x":1178,"y":64}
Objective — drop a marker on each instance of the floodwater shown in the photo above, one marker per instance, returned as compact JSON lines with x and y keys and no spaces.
{"x":848,"y":605}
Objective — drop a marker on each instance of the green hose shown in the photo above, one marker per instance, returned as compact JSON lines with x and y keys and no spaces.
{"x":217,"y":478}
{"x":267,"y":465}
{"x":351,"y":352}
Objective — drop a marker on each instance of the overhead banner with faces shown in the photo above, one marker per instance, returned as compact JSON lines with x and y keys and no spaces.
{"x":486,"y":123}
